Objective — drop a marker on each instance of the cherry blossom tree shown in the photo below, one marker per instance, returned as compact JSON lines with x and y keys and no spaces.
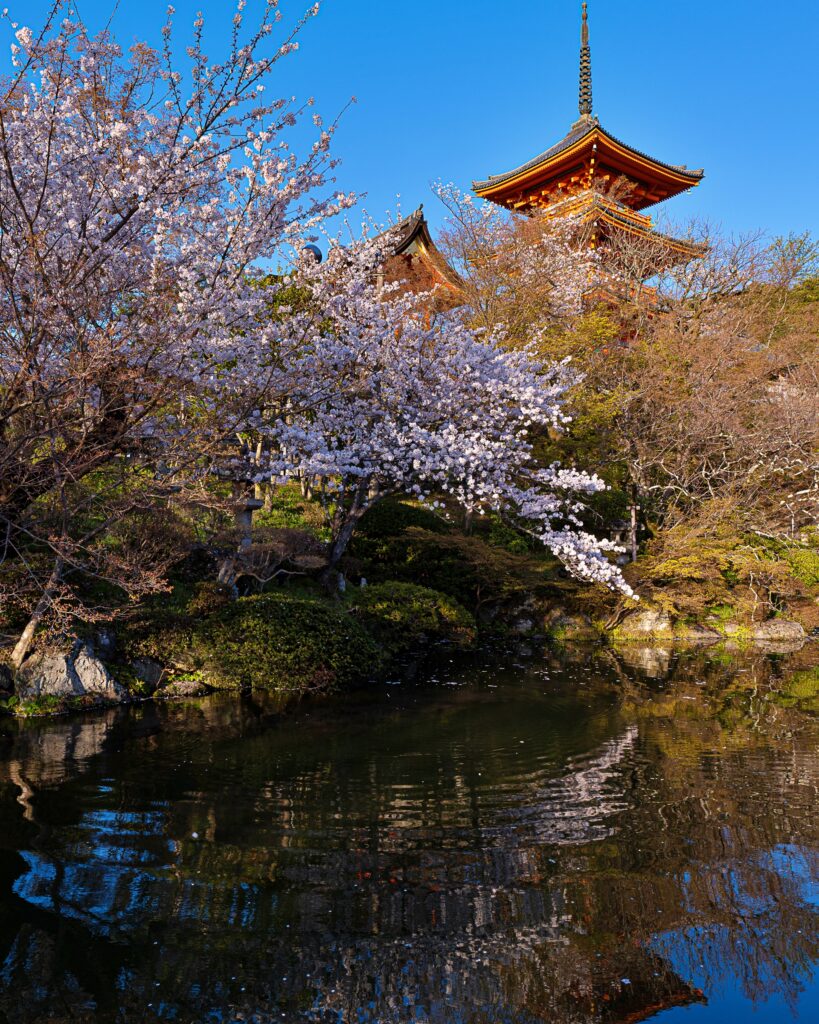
{"x":136,"y":215}
{"x":431,"y":407}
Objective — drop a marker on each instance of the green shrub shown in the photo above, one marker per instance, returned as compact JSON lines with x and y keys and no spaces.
{"x":500,"y":535}
{"x":392,"y":518}
{"x":402,"y":615}
{"x":805,"y":564}
{"x":723,"y":612}
{"x":274,"y":641}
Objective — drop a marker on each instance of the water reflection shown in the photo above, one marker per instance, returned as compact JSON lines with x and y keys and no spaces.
{"x":552,"y":840}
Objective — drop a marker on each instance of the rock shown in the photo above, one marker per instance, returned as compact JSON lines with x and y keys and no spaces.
{"x":562,"y":626}
{"x":148,"y":670}
{"x":698,"y":634}
{"x":53,"y":674}
{"x":522,"y":627}
{"x":47,"y":674}
{"x":95,"y":678}
{"x":183,"y":688}
{"x":779,"y":631}
{"x":6,"y":679}
{"x":648,"y":622}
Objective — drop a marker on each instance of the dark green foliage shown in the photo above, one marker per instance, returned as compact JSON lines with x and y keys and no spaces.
{"x":290,"y":645}
{"x":403,"y":616}
{"x":606,"y":507}
{"x":392,"y":518}
{"x":487,"y":569}
{"x":501,"y":535}
{"x":475,"y":573}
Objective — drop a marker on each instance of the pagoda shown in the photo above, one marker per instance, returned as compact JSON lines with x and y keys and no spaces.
{"x":596,"y":178}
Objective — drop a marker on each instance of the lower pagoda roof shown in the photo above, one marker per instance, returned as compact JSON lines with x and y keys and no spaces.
{"x":611,"y":215}
{"x":587,"y":150}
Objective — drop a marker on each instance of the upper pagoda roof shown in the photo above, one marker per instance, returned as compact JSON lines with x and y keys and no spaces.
{"x":586,"y":136}
{"x":587,"y":153}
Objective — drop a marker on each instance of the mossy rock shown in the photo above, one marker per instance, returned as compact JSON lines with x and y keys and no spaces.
{"x":645,"y":623}
{"x":561,"y":627}
{"x":404,"y":616}
{"x":183,"y":687}
{"x":50,"y":705}
{"x":289,"y":645}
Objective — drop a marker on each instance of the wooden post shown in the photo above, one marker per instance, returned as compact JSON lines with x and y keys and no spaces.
{"x":634,"y":533}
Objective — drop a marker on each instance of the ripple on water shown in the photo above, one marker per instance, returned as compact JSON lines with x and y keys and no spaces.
{"x":505,"y":849}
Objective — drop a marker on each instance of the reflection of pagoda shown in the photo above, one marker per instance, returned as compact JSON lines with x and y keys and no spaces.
{"x":595,"y":177}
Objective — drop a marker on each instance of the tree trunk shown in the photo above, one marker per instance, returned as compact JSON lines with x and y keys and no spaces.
{"x":23,"y":646}
{"x":340,"y":544}
{"x":345,"y":534}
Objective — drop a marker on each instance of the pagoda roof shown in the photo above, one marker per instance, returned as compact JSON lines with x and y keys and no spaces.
{"x":411,"y":229}
{"x":585,"y":156}
{"x":587,"y":137}
{"x":594,"y":207}
{"x":411,"y":238}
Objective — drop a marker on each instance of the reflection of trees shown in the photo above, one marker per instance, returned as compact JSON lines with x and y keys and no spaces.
{"x":559,"y":860}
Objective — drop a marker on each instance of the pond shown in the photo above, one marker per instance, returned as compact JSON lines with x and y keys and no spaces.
{"x":562,"y":837}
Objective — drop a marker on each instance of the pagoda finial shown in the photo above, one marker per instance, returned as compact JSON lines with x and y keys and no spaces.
{"x":585,"y":68}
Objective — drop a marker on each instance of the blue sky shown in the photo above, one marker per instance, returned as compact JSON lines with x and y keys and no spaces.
{"x":460,"y":89}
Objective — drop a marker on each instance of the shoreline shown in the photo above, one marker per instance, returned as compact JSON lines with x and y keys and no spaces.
{"x":656,"y":649}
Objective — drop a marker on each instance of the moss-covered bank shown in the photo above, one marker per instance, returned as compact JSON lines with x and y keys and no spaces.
{"x":295,"y":642}
{"x":288,"y":642}
{"x":414,"y":579}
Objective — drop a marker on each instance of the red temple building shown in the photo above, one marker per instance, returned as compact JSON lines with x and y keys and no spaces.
{"x":594,"y":176}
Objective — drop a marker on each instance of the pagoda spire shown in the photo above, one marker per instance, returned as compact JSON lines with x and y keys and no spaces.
{"x":585,"y":69}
